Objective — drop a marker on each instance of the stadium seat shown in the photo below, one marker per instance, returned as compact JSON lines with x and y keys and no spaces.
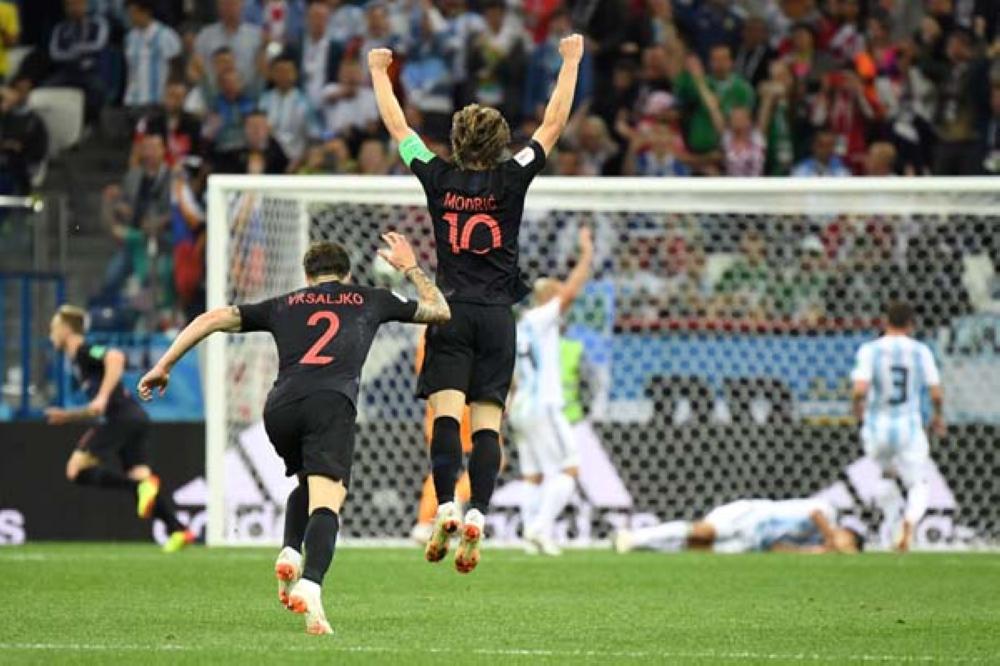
{"x":62,"y":111}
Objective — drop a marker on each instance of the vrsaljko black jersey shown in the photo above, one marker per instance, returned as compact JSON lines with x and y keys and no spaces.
{"x":323,"y":334}
{"x":477,"y":223}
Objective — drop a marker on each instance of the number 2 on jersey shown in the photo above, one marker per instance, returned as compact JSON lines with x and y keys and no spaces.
{"x":313,"y":356}
{"x":900,"y":375}
{"x":463,"y":242}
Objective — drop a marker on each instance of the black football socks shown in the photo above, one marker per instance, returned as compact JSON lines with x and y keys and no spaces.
{"x":165,"y":509}
{"x":103,"y":477}
{"x":446,"y":457}
{"x":296,"y":517}
{"x":320,"y":541}
{"x":484,"y":466}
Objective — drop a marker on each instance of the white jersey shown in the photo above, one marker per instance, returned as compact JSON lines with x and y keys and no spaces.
{"x":538,"y":374}
{"x":897,"y":369}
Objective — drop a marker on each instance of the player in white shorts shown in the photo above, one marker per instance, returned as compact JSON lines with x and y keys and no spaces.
{"x":889,"y":378}
{"x":795,"y":525}
{"x":548,"y":456}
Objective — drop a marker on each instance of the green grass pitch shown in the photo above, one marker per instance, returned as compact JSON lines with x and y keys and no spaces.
{"x":103,"y":604}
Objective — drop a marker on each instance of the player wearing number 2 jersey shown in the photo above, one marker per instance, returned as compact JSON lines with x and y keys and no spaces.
{"x":476,"y":201}
{"x":889,"y":378}
{"x":323,"y":333}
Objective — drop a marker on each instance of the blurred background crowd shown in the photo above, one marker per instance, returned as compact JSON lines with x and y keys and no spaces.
{"x":668,"y":88}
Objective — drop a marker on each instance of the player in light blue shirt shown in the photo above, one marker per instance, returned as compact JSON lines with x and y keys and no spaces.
{"x":890,"y":376}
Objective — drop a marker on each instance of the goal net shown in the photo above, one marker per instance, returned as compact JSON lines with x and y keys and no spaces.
{"x":716,"y":341}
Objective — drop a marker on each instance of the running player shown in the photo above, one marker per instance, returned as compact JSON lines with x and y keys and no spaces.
{"x":475,"y":203}
{"x":889,"y":380}
{"x":121,"y":430}
{"x":548,"y":457}
{"x":323,"y":333}
{"x":794,"y":526}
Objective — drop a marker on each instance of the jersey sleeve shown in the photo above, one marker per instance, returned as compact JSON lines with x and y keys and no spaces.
{"x":528,"y":162}
{"x":863,"y":367}
{"x":255,"y":316}
{"x":393,"y":307}
{"x":932,"y":377}
{"x":421,"y":160}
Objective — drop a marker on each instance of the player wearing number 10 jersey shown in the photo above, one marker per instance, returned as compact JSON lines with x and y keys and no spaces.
{"x":323,"y":333}
{"x":476,"y":201}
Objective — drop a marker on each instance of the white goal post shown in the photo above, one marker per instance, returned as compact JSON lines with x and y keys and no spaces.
{"x":652,"y":311}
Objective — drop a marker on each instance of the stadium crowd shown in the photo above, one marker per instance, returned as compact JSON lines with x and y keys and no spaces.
{"x":667,"y":88}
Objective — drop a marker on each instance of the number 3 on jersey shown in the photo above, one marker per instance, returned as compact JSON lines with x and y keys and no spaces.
{"x":461,"y":240}
{"x":313,"y":356}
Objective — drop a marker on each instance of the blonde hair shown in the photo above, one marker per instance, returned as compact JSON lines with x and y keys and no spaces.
{"x":479,"y":137}
{"x":75,"y":318}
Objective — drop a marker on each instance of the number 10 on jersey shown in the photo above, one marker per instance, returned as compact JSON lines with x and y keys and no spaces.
{"x":461,"y":239}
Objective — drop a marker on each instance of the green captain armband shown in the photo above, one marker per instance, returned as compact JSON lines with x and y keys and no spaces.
{"x":412,"y":147}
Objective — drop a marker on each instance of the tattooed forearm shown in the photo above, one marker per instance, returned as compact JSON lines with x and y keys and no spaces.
{"x":432,"y":308}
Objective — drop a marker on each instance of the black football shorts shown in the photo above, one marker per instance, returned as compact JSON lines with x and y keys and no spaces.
{"x":473,"y":353}
{"x":128,"y":440}
{"x":314,"y":434}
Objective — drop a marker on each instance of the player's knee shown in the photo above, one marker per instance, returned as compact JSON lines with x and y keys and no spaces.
{"x":139,"y":473}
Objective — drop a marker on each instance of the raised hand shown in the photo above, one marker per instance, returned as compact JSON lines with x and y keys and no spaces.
{"x":571,"y":48}
{"x":399,"y":253}
{"x":379,"y":60}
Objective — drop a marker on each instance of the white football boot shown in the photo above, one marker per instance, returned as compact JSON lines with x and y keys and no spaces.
{"x":307,"y":597}
{"x":622,"y":542}
{"x":467,"y":554}
{"x":288,"y":570}
{"x":542,"y":543}
{"x":446,"y":523}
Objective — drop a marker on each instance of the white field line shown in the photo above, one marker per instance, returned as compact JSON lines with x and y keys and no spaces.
{"x":502,"y":652}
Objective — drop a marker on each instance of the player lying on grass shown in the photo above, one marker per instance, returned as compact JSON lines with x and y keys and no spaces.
{"x":475,"y":202}
{"x":120,"y":430}
{"x":797,"y":526}
{"x":323,"y":333}
{"x":548,"y":456}
{"x":889,"y":377}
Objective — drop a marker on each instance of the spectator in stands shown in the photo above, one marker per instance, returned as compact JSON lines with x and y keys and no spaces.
{"x":291,"y":115}
{"x":347,"y":21}
{"x":848,"y":41}
{"x":180,"y":130}
{"x":281,"y":21}
{"x":881,"y":159}
{"x":459,"y":27}
{"x":729,"y":88}
{"x":710,"y":23}
{"x":746,"y":288}
{"x":843,"y":107}
{"x":137,"y":211}
{"x":824,"y":160}
{"x":378,"y":33}
{"x":800,"y":294}
{"x":426,"y":78}
{"x":543,"y":66}
{"x":991,"y":142}
{"x":351,"y":107}
{"x":806,"y":63}
{"x":568,"y":161}
{"x":775,"y":119}
{"x":373,"y":160}
{"x":187,"y":222}
{"x":655,"y":150}
{"x":261,"y":153}
{"x":10,"y":34}
{"x":909,"y":103}
{"x":151,"y":52}
{"x":963,"y":88}
{"x":76,"y":48}
{"x":593,"y":142}
{"x":244,"y":40}
{"x":656,"y":26}
{"x":24,"y":140}
{"x":319,"y":55}
{"x":754,"y":55}
{"x":497,"y":58}
{"x":223,"y":126}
